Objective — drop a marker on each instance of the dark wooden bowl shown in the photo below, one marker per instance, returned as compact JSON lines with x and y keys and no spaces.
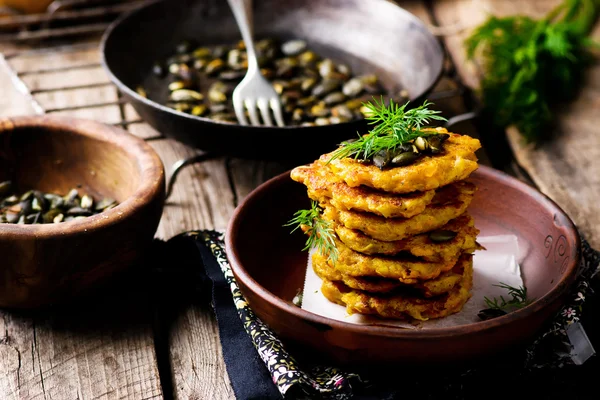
{"x":371,"y":36}
{"x":42,"y":264}
{"x":269,"y":266}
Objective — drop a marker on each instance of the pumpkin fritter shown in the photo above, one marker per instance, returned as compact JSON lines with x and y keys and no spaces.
{"x":449,"y":202}
{"x":408,"y":270}
{"x":323,"y":185}
{"x":419,"y":245}
{"x":456,"y":163}
{"x":433,"y":287}
{"x":403,"y":306}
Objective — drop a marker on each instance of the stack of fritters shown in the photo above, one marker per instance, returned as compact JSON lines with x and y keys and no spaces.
{"x":403,"y":234}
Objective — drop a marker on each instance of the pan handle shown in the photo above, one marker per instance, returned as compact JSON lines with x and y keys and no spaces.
{"x":462,"y":117}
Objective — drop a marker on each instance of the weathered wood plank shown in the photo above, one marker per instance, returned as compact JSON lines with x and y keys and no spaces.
{"x":100,"y":347}
{"x":567,"y":168}
{"x":457,"y":18}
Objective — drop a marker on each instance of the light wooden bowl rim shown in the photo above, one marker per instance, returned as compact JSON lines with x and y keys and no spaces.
{"x":152,"y":175}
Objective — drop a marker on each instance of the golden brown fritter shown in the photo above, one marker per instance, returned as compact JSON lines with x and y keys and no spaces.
{"x":323,"y":185}
{"x":433,"y":287}
{"x":409,"y":270}
{"x":404,"y":307}
{"x":449,"y":202}
{"x":456,"y":163}
{"x":419,"y":245}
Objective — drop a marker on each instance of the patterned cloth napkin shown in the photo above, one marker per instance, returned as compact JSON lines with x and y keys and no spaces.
{"x":260,"y":367}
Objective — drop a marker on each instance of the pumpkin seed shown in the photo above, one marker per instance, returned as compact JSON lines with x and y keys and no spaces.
{"x":231,"y":75}
{"x":104,"y":203}
{"x":405,"y":158}
{"x":421,"y":143}
{"x":322,"y":121}
{"x":202,"y":52}
{"x":441,"y":235}
{"x":307,"y":84}
{"x":199,"y":110}
{"x":42,"y":208}
{"x":186,"y":95}
{"x":381,"y":159}
{"x":174,"y":68}
{"x":325,"y":87}
{"x":176,"y":85}
{"x":319,"y":110}
{"x":293,"y":47}
{"x":214,"y":66}
{"x":353,"y":87}
{"x":334,"y":98}
{"x":87,"y":202}
{"x":302,"y":78}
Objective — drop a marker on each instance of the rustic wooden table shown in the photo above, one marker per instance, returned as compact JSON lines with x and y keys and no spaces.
{"x":150,"y":336}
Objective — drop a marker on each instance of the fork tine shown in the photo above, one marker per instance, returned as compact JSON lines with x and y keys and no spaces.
{"x":251,"y":106}
{"x":263,"y":106}
{"x":238,"y":105}
{"x":276,"y":106}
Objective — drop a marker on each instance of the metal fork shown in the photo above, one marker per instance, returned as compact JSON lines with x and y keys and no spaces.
{"x":254,"y":90}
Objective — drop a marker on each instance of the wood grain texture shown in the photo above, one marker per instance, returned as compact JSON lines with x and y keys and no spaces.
{"x":566,"y":169}
{"x":98,"y":348}
{"x":457,"y":18}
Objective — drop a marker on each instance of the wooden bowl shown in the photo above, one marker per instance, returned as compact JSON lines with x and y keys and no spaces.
{"x":47,"y":263}
{"x":269,"y":266}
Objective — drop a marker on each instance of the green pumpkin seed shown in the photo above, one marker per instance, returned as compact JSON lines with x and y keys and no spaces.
{"x":406,"y":158}
{"x":325,"y":87}
{"x":441,"y":235}
{"x":381,"y":159}
{"x":334,"y":98}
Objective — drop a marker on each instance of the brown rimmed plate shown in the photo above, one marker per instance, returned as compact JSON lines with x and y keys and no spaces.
{"x":269,"y":265}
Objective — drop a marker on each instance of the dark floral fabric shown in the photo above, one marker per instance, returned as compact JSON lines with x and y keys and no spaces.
{"x":328,"y":382}
{"x":550,"y":350}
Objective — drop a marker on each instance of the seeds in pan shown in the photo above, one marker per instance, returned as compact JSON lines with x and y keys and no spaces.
{"x":311,"y":87}
{"x":36,"y":207}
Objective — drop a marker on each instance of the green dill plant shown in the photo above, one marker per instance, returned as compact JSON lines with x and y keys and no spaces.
{"x":532,"y":66}
{"x":320,"y":232}
{"x":394,"y":125}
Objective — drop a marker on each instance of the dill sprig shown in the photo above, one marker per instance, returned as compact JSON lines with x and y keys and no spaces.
{"x":518,"y":298}
{"x":320,"y":232}
{"x":394,"y":126}
{"x":531,"y":66}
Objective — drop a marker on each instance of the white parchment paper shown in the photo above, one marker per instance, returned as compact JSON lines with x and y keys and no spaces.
{"x":498,"y":263}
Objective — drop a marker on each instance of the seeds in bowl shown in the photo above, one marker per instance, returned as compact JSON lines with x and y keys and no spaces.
{"x":313,"y":90}
{"x":36,"y":207}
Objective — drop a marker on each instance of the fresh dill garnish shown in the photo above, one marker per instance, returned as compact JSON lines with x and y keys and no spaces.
{"x":320,"y":232}
{"x":531,"y":66}
{"x":394,"y":126}
{"x":518,"y":298}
